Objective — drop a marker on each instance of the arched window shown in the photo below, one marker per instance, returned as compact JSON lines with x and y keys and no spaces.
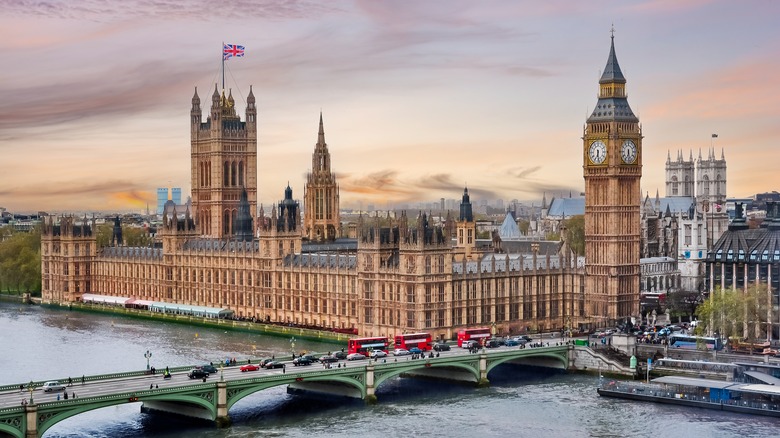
{"x":226,"y":221}
{"x":226,"y":174}
{"x":233,"y":174}
{"x":241,"y":174}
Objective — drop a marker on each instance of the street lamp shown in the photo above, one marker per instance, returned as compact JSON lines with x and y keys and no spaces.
{"x":147,"y":355}
{"x":292,"y":346}
{"x":31,"y":388}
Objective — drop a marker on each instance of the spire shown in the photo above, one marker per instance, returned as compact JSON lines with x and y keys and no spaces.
{"x":250,"y":99}
{"x":321,"y":133}
{"x":465,"y":207}
{"x":668,"y":156}
{"x":722,"y":154}
{"x":612,"y":73}
{"x":612,"y":104}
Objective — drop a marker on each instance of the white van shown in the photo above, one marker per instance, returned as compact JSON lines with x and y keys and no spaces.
{"x":53,"y":386}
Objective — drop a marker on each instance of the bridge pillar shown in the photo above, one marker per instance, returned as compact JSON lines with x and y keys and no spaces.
{"x":31,"y":429}
{"x":370,"y":390}
{"x":223,"y":419}
{"x":483,"y":380}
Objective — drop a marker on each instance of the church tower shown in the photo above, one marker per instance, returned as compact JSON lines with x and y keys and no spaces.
{"x":679,"y":176}
{"x":321,"y":220}
{"x":612,"y":167}
{"x":224,"y":163}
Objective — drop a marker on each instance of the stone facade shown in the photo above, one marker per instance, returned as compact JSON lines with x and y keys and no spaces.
{"x":398,"y":275}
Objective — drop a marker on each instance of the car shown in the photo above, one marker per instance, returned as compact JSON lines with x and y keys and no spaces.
{"x":471,"y":344}
{"x":197,"y":373}
{"x":415,"y":350}
{"x":518,"y":340}
{"x":356,"y":356}
{"x":401,"y":352}
{"x":274,"y":364}
{"x":441,"y":346}
{"x":211,"y":369}
{"x":311,"y":357}
{"x":302,"y":361}
{"x":377,"y":354}
{"x":250,"y":367}
{"x":53,"y":386}
{"x":339,"y":355}
{"x":492,"y":343}
{"x":328,"y":359}
{"x":511,"y":343}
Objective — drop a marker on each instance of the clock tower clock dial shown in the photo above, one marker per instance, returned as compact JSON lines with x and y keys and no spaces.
{"x":612,"y":169}
{"x":628,"y":152}
{"x":597,"y":152}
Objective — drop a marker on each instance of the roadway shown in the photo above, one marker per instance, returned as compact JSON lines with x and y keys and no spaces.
{"x":141,"y":383}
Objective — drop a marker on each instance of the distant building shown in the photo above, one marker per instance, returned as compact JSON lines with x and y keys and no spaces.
{"x":165,"y":194}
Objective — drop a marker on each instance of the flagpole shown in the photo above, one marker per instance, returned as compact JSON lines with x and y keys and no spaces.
{"x":223,"y":66}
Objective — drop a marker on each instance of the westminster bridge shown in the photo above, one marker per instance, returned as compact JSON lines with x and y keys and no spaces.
{"x":27,"y":412}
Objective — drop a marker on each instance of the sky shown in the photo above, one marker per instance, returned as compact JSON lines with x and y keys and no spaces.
{"x":419,"y":99}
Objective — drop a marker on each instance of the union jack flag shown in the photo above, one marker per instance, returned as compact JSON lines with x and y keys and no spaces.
{"x":231,"y":50}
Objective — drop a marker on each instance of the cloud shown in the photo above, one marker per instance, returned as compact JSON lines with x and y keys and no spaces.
{"x":202,"y":10}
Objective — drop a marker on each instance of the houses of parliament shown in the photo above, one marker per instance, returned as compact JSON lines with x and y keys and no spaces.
{"x":399,"y":274}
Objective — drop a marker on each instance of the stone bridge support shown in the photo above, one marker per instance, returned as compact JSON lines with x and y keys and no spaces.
{"x":370,"y":389}
{"x":223,"y":419}
{"x":31,"y":411}
{"x":483,"y":371}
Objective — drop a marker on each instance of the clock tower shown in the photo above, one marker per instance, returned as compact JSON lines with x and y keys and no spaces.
{"x":612,"y":168}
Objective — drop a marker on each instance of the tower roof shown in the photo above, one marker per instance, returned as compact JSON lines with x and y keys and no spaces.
{"x":612,"y":72}
{"x":612,"y":104}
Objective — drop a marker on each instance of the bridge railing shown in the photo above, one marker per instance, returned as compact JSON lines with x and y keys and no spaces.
{"x":77,"y":380}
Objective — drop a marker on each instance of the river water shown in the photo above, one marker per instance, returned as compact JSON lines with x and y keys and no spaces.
{"x":40,"y":343}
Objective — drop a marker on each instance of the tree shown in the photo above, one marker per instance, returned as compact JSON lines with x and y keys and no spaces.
{"x":20,"y":262}
{"x":103,"y":234}
{"x":575,"y":233}
{"x":735,"y":314}
{"x":135,"y":236}
{"x":524,"y":225}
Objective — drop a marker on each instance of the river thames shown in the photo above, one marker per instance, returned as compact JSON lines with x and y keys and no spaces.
{"x":40,"y":343}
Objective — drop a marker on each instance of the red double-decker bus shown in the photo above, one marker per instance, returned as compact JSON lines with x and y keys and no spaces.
{"x":480,"y":335}
{"x":364,"y":345}
{"x":411,"y":340}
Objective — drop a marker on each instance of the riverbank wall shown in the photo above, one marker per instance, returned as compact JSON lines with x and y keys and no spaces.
{"x":222,"y":324}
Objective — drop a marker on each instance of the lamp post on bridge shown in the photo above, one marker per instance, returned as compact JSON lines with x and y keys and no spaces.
{"x":147,"y":355}
{"x":292,"y":346}
{"x":31,"y":388}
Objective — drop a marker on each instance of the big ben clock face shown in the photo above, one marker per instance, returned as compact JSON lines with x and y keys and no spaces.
{"x":597,"y":152}
{"x":628,"y":152}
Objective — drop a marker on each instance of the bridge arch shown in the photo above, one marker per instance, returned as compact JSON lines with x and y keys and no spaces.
{"x":51,"y":415}
{"x":241,"y":389}
{"x":381,"y":375}
{"x":546,"y":357}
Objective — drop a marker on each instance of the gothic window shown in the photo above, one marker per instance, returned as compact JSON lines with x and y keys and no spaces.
{"x":233,"y":174}
{"x":225,"y":174}
{"x":687,"y":187}
{"x":674,"y":186}
{"x":226,"y":222}
{"x":427,"y":264}
{"x":241,"y":174}
{"x":706,"y":185}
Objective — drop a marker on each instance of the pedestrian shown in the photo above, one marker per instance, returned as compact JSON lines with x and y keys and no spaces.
{"x":82,"y":379}
{"x":284,"y":368}
{"x":70,"y":381}
{"x":66,"y":395}
{"x":273,"y":357}
{"x":21,"y":388}
{"x":73,"y":394}
{"x":58,"y":397}
{"x":151,"y":385}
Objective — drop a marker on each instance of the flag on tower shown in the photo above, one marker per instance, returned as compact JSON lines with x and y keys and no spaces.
{"x":231,"y":50}
{"x":713,"y":135}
